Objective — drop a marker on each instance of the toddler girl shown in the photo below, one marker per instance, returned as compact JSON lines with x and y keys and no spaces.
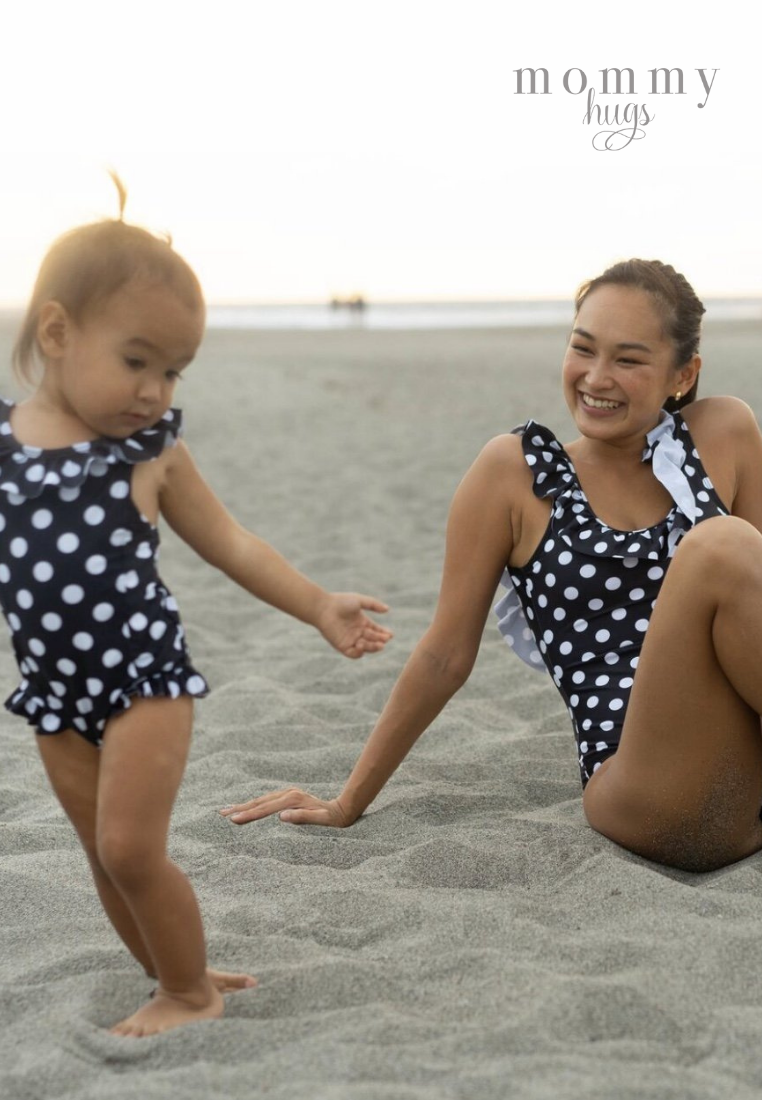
{"x":87,"y":465}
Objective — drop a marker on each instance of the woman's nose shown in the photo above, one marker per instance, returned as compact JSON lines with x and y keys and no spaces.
{"x":598,"y":374}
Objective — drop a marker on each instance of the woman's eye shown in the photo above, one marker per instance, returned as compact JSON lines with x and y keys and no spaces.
{"x":134,"y":364}
{"x":585,"y":351}
{"x":173,"y":376}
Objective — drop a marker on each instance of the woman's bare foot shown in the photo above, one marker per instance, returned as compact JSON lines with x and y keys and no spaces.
{"x":226,"y":982}
{"x":165,"y":1011}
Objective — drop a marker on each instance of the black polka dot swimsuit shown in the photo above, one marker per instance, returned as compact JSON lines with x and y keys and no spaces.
{"x":92,"y":624}
{"x":581,"y":606}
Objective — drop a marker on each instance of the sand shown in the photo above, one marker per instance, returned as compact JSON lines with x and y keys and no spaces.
{"x":471,"y":936}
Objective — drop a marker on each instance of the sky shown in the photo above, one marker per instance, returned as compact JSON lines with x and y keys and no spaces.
{"x":298,"y":150}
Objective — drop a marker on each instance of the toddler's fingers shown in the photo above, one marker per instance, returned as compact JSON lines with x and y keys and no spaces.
{"x":370,"y":603}
{"x":373,"y":630}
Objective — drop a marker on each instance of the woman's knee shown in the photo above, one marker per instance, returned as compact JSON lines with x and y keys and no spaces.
{"x":721,"y":535}
{"x":723,"y":550}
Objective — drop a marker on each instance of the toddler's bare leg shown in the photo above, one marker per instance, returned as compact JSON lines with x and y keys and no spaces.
{"x":685,"y":787}
{"x":72,"y":765}
{"x":142,"y":762}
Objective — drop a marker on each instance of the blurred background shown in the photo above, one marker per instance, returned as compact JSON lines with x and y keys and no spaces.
{"x":299,"y":153}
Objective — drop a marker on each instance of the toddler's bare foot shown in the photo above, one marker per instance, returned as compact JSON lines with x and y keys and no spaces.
{"x":226,"y":982}
{"x":165,"y":1011}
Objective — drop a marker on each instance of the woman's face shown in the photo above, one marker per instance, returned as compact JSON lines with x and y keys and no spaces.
{"x":619,"y":366}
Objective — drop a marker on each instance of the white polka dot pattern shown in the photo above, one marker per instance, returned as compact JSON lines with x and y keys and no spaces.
{"x":590,"y":632}
{"x":92,"y":624}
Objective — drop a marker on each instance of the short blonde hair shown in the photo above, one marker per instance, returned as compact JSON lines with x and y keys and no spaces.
{"x":89,"y":264}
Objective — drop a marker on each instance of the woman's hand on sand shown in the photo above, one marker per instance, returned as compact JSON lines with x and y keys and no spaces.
{"x":292,"y":805}
{"x":342,"y":622}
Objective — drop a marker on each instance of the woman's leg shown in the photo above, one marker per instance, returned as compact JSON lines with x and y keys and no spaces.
{"x":72,"y":765}
{"x":685,"y":787}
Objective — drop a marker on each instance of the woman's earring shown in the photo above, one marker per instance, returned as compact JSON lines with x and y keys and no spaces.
{"x":678,"y":395}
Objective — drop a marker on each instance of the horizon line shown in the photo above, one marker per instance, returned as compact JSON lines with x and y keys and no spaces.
{"x":242,"y":303}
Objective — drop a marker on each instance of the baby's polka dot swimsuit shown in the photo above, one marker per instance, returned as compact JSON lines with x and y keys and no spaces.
{"x":92,"y":624}
{"x":582,"y":604}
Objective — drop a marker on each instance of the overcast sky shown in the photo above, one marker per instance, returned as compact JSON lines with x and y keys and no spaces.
{"x":295,"y":150}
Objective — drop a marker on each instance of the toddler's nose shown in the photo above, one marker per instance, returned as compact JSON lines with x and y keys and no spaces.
{"x":149,"y":389}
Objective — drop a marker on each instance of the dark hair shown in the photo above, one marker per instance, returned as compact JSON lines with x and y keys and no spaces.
{"x":676,"y":299}
{"x":89,"y":264}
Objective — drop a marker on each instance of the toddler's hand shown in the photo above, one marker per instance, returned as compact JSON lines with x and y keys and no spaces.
{"x":342,"y":622}
{"x":292,"y":805}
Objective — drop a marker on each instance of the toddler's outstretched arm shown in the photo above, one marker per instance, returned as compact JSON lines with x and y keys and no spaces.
{"x":480,"y":539}
{"x":199,"y":518}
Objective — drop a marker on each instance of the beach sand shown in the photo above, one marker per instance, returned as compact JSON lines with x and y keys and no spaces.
{"x":470,"y":937}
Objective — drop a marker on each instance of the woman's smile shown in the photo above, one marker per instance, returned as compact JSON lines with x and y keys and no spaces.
{"x":598,"y":405}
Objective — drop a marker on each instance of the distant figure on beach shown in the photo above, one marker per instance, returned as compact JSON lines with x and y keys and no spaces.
{"x":87,"y":464}
{"x":632,"y":559}
{"x":355,"y":304}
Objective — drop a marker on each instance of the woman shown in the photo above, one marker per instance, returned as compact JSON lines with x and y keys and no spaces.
{"x":670,"y":754}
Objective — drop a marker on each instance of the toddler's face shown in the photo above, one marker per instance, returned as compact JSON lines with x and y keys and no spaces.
{"x":121,"y":363}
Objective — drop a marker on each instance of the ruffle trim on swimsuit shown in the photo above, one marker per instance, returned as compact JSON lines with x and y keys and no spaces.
{"x":25,"y":471}
{"x":574,"y":520}
{"x":575,"y":523}
{"x":42,"y":712}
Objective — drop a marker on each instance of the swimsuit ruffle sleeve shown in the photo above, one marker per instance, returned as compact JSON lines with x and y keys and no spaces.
{"x":26,"y":471}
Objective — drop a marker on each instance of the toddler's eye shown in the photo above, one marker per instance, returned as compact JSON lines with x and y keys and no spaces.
{"x":173,"y":376}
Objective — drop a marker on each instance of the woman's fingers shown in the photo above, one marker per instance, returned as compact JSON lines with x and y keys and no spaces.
{"x":263,"y":806}
{"x":294,"y":806}
{"x":320,"y":815}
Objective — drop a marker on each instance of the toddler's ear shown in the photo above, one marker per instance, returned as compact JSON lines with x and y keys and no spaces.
{"x":52,"y":330}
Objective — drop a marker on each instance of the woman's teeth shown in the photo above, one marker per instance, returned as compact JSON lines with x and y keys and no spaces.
{"x":595,"y":403}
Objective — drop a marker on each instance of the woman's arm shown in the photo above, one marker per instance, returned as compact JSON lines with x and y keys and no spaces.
{"x":200,"y":519}
{"x":481,"y":530}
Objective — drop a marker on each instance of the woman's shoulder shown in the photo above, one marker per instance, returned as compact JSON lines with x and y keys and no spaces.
{"x":505,"y":448}
{"x":513,"y":452}
{"x":525,"y":439}
{"x":522,"y":465}
{"x":721,"y":427}
{"x":717,"y":416}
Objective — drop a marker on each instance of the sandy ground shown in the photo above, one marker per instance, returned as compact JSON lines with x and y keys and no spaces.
{"x":470,"y":937}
